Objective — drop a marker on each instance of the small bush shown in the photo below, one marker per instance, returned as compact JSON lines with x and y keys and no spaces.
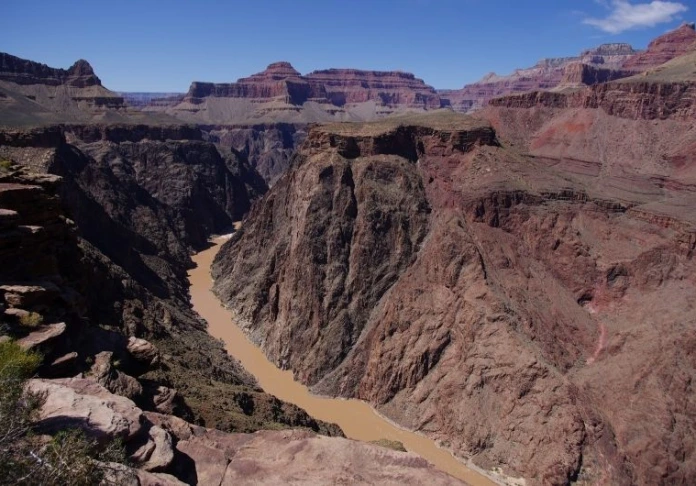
{"x":16,"y":364}
{"x":5,"y":164}
{"x":68,"y":458}
{"x":31,"y":320}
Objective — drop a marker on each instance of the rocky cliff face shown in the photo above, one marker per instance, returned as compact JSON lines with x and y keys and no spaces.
{"x":126,"y":239}
{"x":148,"y":368}
{"x":282,"y":94}
{"x":34,"y":94}
{"x":580,"y":75}
{"x":267,"y":148}
{"x":23,"y":71}
{"x":640,"y":97}
{"x":546,"y":74}
{"x":604,"y":63}
{"x":508,"y":305}
{"x":673,"y":44}
{"x":389,"y":88}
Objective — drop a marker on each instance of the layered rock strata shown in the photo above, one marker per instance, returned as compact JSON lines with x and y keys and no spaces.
{"x":507,"y":305}
{"x":604,"y":63}
{"x":282,"y":94}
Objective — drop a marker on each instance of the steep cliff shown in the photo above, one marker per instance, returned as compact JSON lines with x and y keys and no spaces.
{"x":664,"y":48}
{"x":268,"y":147}
{"x":604,"y":63}
{"x":280,"y":94}
{"x":508,"y":305}
{"x":35,"y":94}
{"x":546,"y":74}
{"x":666,"y":91}
{"x":132,"y":243}
{"x":125,"y":388}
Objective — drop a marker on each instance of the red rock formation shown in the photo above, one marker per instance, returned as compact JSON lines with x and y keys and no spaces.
{"x":386,"y":87}
{"x":523,"y":309}
{"x":666,"y":47}
{"x":579,"y":74}
{"x":632,"y":98}
{"x":333,"y":86}
{"x":22,"y":71}
{"x":604,"y":63}
{"x":546,"y":74}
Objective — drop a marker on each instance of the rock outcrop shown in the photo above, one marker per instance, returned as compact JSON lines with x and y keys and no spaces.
{"x":664,"y":92}
{"x":137,"y":335}
{"x":502,"y":293}
{"x":280,"y":94}
{"x":666,"y":47}
{"x":23,"y":71}
{"x":546,"y":74}
{"x":172,"y":448}
{"x":35,"y":94}
{"x":605,"y":63}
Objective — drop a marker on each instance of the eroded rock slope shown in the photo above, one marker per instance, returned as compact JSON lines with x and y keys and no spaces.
{"x":525,"y":296}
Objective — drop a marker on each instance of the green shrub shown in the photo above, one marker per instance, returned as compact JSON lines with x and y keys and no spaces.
{"x":16,"y":364}
{"x":68,"y":458}
{"x":5,"y":164}
{"x":31,"y":320}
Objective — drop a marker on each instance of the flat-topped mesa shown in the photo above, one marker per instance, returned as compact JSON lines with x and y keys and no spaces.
{"x":278,"y":80}
{"x":335,"y":86}
{"x":438,"y":134}
{"x":389,"y":88}
{"x":23,"y":71}
{"x":610,"y":49}
{"x":609,"y":56}
{"x":579,"y":74}
{"x":668,"y":46}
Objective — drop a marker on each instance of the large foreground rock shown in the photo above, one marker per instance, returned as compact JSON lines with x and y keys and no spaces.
{"x":208,"y":456}
{"x":83,"y":403}
{"x":301,"y":457}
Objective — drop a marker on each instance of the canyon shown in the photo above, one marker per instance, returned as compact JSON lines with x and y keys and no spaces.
{"x":514,"y":286}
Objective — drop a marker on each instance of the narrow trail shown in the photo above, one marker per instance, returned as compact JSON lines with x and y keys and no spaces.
{"x":358,"y":420}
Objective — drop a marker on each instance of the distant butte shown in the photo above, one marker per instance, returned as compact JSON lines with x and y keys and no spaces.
{"x":334,"y":86}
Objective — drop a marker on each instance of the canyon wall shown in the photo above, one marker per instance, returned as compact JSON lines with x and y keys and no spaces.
{"x":490,"y":290}
{"x":604,"y":63}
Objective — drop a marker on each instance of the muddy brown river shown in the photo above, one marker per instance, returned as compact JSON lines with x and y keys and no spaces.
{"x":358,"y":420}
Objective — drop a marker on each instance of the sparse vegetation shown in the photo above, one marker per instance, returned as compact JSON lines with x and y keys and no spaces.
{"x":5,"y":164}
{"x":31,"y":320}
{"x":27,"y":458}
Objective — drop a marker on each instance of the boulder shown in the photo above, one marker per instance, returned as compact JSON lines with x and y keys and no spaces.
{"x":112,"y":379}
{"x":143,"y":351}
{"x":29,"y":295}
{"x":84,"y":403}
{"x":157,"y":452}
{"x":41,"y":337}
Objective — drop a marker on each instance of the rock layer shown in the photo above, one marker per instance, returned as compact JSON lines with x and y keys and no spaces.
{"x":604,"y":63}
{"x":501,"y":293}
{"x":282,"y":94}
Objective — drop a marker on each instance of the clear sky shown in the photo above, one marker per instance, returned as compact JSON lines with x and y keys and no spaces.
{"x":149,"y":45}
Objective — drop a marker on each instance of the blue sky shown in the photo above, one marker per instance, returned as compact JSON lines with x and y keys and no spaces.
{"x":149,"y":45}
